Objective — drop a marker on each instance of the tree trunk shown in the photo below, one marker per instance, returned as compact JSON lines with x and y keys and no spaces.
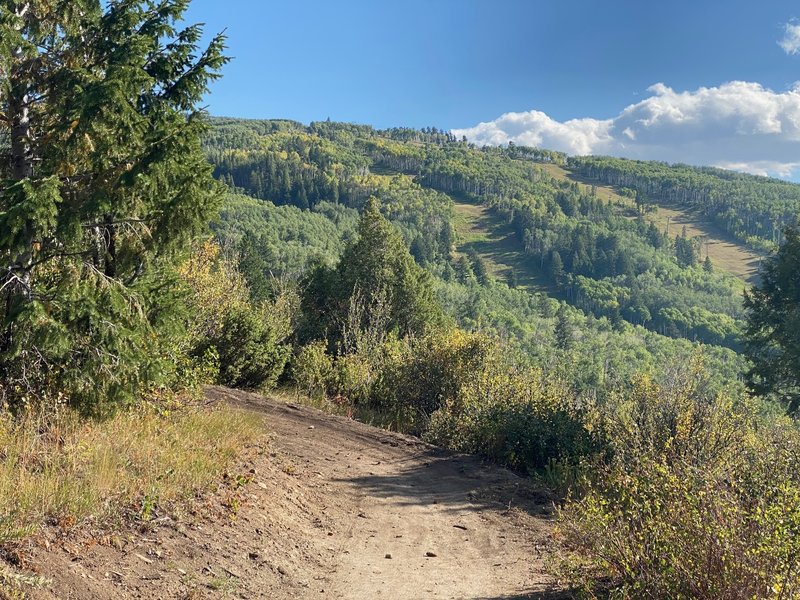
{"x":21,"y":159}
{"x":21,"y":163}
{"x":110,"y":239}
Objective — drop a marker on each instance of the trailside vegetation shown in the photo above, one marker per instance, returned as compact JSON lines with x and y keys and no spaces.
{"x":103,"y":188}
{"x":104,"y":185}
{"x":336,"y":264}
{"x":670,"y":480}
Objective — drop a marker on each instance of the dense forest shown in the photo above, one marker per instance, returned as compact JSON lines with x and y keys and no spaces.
{"x":753,"y":209}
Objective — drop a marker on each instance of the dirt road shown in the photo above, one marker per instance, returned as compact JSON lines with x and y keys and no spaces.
{"x":334,"y":509}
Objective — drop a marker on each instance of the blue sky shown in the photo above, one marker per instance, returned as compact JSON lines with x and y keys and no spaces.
{"x":456,"y":64}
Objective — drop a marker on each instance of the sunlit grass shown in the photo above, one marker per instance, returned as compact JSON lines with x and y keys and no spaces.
{"x":67,"y":469}
{"x":726,"y":252}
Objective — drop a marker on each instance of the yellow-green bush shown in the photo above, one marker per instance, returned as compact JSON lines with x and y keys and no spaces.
{"x":417,"y":378}
{"x":313,"y":370}
{"x":698,"y":498}
{"x":248,"y":340}
{"x":458,"y":390}
{"x":514,"y":416}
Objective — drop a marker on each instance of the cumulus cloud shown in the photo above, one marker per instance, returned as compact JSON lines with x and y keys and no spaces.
{"x":738,"y":125}
{"x":790,"y":42}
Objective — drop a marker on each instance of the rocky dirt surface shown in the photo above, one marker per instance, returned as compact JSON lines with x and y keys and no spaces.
{"x":324,"y":507}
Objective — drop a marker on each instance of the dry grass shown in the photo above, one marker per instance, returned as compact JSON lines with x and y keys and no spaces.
{"x":494,"y":240}
{"x":65,"y":470}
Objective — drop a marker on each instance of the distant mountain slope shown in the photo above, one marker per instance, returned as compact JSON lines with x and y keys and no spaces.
{"x":750,"y":208}
{"x":611,"y":259}
{"x":725,"y":250}
{"x":482,"y":231}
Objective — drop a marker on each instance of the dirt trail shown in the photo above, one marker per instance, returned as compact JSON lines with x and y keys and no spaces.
{"x":336,"y":509}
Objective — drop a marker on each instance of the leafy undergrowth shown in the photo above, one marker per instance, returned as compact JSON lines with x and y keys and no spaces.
{"x":65,"y":470}
{"x":699,"y":497}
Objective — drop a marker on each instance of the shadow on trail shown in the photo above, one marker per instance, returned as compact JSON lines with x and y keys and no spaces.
{"x":553,"y":595}
{"x":456,"y":483}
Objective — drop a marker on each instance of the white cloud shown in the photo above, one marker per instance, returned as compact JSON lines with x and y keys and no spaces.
{"x":737,"y":125}
{"x":791,"y":39}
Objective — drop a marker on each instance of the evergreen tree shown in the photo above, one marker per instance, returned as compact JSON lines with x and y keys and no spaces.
{"x":708,"y":266}
{"x":376,"y":267}
{"x":772,"y":337}
{"x":446,"y":240}
{"x":641,"y":202}
{"x":105,"y":184}
{"x":685,"y":250}
{"x":654,"y":236}
{"x":421,"y":250}
{"x":479,"y":267}
{"x":463,"y":269}
{"x":563,"y":332}
{"x":513,"y":279}
{"x":254,"y":268}
{"x":556,"y":267}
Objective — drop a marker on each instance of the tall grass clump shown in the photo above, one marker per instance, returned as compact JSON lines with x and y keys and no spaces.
{"x":62,"y":469}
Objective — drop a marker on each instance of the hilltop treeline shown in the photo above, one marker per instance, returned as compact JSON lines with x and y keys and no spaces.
{"x":752,"y":209}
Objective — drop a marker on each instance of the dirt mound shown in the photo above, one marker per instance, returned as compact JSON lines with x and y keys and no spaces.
{"x":325,"y":507}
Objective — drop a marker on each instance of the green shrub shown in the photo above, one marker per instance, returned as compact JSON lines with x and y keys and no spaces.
{"x":458,"y":390}
{"x":697,"y":499}
{"x":418,"y":377}
{"x":511,"y":415}
{"x":251,"y":353}
{"x":245,"y":341}
{"x":313,"y":371}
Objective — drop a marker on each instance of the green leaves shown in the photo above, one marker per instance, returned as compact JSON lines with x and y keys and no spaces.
{"x":100,"y":110}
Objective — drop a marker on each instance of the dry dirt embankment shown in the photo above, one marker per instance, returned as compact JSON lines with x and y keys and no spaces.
{"x":334,"y":509}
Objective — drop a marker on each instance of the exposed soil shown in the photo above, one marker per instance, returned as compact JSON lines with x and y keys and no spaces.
{"x":325,"y":508}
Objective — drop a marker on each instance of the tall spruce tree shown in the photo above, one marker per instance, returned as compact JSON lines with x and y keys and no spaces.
{"x":376,"y":268}
{"x":563,"y":332}
{"x":772,"y":336}
{"x":103,"y":183}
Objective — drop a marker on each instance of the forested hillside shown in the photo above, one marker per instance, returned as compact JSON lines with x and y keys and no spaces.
{"x":753,"y":209}
{"x":611,"y":266}
{"x":476,"y":298}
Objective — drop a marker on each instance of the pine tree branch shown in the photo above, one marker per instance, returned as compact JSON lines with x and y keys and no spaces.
{"x":129,"y":221}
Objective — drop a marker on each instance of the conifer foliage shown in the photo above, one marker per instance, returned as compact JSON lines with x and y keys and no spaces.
{"x":773,"y":325}
{"x":102,"y":183}
{"x":375,"y":271}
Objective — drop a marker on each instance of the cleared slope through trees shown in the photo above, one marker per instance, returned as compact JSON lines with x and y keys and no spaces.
{"x":495,"y":241}
{"x":333,"y":509}
{"x":725,"y":252}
